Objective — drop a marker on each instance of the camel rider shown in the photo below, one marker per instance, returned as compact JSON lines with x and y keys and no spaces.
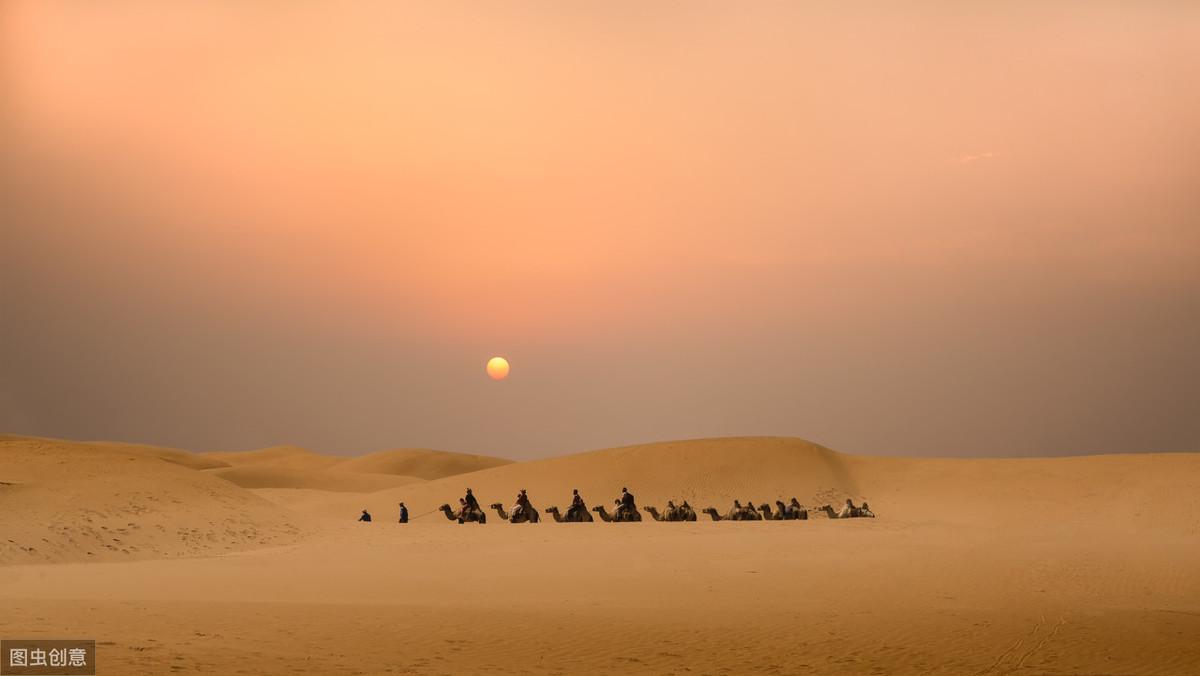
{"x":672,"y":510}
{"x":626,"y":502}
{"x":522,"y":503}
{"x":849,"y":510}
{"x":470,"y":503}
{"x":865,"y":510}
{"x":577,"y":504}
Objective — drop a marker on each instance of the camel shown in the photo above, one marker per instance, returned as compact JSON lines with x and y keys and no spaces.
{"x":767,"y":515}
{"x":737,"y":513}
{"x":518,"y":516}
{"x":848,"y":513}
{"x":578,"y":516}
{"x":464,"y":515}
{"x":672,"y":513}
{"x":792,"y":511}
{"x":686,"y":511}
{"x":619,"y":516}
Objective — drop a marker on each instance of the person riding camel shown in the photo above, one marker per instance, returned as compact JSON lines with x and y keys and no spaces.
{"x":577,"y":504}
{"x":522,"y":506}
{"x":470,"y":503}
{"x":626,"y":504}
{"x":849,"y":510}
{"x":672,"y":510}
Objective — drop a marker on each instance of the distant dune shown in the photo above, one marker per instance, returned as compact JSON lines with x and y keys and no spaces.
{"x":257,"y":476}
{"x":279,"y":457}
{"x":420,"y":462}
{"x":185,"y":458}
{"x":291,"y":467}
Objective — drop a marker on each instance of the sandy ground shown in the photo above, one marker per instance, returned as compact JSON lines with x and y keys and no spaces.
{"x":1049,"y":566}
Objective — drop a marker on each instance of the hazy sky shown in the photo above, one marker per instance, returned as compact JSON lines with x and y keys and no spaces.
{"x":922,"y":228}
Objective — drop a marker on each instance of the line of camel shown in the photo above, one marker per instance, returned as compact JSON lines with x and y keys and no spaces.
{"x":626,"y":511}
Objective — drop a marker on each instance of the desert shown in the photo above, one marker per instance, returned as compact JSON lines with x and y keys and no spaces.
{"x":981,"y":566}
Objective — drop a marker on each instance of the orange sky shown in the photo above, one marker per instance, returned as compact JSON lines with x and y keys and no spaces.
{"x":941,"y":228}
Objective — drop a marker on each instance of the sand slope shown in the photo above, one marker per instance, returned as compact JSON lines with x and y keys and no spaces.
{"x":185,"y":458}
{"x":1080,"y":565}
{"x":291,"y":467}
{"x":62,"y":501}
{"x":280,"y":457}
{"x":705,"y":472}
{"x":420,"y":462}
{"x":258,"y":476}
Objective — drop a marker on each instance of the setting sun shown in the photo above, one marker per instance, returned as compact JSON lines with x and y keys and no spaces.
{"x":497,"y":368}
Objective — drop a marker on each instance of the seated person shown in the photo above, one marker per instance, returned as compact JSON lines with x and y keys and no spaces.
{"x":848,"y":510}
{"x":577,"y":504}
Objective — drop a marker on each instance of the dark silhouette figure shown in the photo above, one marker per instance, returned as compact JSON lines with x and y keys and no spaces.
{"x":577,"y":505}
{"x":626,"y":505}
{"x":366,"y":516}
{"x":403,"y":513}
{"x":471,"y":502}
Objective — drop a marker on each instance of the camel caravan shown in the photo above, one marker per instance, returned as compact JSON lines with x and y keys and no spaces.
{"x":625,"y":510}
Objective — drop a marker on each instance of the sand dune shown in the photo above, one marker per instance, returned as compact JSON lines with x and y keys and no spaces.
{"x":290,"y":467}
{"x":185,"y":458}
{"x":704,"y":472}
{"x":988,"y":567}
{"x":62,"y":501}
{"x":280,"y":457}
{"x":420,"y":462}
{"x":258,"y":476}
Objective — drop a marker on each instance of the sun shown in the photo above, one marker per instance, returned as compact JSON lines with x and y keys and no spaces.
{"x":497,"y":368}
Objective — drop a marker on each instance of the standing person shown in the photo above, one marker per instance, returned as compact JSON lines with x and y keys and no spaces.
{"x":403,"y":513}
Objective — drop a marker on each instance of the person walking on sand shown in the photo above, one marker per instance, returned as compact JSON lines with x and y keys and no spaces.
{"x":403,"y":513}
{"x":366,"y":516}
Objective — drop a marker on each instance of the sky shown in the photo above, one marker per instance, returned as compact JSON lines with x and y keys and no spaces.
{"x":931,"y":228}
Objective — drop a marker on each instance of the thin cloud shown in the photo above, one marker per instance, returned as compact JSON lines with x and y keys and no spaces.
{"x":978,"y":157}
